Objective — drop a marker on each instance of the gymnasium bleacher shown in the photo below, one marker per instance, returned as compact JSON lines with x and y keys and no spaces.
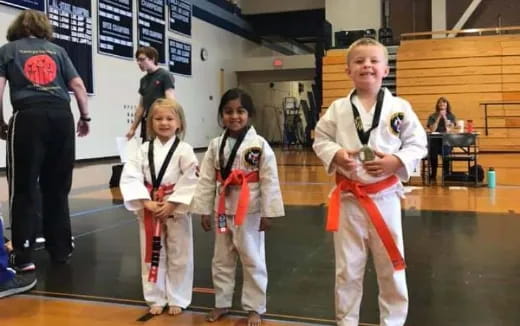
{"x":467,"y":70}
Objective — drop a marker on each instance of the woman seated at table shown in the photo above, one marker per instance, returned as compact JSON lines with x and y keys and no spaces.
{"x":442,"y":120}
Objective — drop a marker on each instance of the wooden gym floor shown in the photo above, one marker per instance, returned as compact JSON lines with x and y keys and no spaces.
{"x":461,"y":246}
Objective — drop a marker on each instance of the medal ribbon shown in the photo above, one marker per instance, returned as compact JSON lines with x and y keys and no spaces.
{"x":365,"y":135}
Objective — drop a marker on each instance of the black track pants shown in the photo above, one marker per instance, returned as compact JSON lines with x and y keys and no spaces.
{"x":40,"y":149}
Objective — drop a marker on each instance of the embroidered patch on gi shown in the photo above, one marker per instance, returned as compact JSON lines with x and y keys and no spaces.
{"x":252,"y":156}
{"x":395,"y":122}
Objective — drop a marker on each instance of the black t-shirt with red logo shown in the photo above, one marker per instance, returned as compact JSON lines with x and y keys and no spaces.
{"x":153,"y":85}
{"x":36,"y":68}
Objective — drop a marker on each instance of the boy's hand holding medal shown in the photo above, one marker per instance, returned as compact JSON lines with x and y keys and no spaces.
{"x":375,"y":163}
{"x":345,"y":159}
{"x":381,"y":164}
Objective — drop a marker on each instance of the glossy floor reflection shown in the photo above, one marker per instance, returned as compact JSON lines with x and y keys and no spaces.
{"x":462,"y":255}
{"x":462,"y":267}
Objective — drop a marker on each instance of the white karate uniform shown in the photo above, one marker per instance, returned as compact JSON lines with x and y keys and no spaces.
{"x":399,"y":133}
{"x":243,"y":241}
{"x":175,"y":272}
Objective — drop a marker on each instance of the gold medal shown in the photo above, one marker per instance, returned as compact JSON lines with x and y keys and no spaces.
{"x":366,"y":154}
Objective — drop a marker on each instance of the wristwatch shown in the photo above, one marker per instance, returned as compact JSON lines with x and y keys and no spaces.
{"x":86,"y":119}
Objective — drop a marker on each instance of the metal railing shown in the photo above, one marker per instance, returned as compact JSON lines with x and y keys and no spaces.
{"x":491,"y":103}
{"x":464,"y":32}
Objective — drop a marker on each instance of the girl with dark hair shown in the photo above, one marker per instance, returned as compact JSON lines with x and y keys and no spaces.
{"x":236,"y":94}
{"x":238,"y":174}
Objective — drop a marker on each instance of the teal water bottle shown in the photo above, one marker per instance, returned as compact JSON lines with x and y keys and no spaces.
{"x":491,"y":178}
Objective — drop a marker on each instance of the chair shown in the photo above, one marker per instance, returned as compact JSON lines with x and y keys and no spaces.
{"x":459,"y":148}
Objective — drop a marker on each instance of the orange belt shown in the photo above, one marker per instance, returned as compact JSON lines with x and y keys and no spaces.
{"x":236,"y":178}
{"x":361,"y":191}
{"x":150,"y":227}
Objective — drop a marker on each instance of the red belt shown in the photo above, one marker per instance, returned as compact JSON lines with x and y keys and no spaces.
{"x":149,"y":225}
{"x":361,"y":191}
{"x":236,"y":178}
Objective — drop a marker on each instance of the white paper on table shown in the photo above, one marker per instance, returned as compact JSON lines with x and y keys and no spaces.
{"x":126,"y":147}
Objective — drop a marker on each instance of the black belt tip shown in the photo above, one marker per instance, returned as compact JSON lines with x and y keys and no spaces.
{"x":146,"y":317}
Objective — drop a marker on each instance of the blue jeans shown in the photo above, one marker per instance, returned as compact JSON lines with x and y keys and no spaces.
{"x":435,"y":149}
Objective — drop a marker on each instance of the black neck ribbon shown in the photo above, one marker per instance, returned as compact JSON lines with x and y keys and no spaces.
{"x":365,"y":135}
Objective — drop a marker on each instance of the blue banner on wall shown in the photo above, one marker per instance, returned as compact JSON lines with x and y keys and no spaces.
{"x":115,"y":28}
{"x":26,"y":4}
{"x":180,"y":57}
{"x":150,"y":27}
{"x":180,"y":16}
{"x":72,"y":23}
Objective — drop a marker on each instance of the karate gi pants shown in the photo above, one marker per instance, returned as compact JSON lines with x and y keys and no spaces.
{"x":354,"y":238}
{"x":248,"y":243}
{"x":174,"y":284}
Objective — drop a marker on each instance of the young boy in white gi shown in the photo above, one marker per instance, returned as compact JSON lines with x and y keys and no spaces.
{"x":371,"y":141}
{"x":163,"y":202}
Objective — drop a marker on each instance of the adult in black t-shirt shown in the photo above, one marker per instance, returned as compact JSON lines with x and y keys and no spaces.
{"x":157,"y":83}
{"x":40,"y":135}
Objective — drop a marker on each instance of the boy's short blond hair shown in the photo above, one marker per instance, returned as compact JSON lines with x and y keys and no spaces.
{"x":364,"y":42}
{"x":175,"y":107}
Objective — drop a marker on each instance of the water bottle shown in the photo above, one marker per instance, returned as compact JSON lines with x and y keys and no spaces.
{"x":491,"y":178}
{"x":469,"y":126}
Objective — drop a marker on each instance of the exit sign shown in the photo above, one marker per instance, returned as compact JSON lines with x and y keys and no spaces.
{"x":278,"y":63}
